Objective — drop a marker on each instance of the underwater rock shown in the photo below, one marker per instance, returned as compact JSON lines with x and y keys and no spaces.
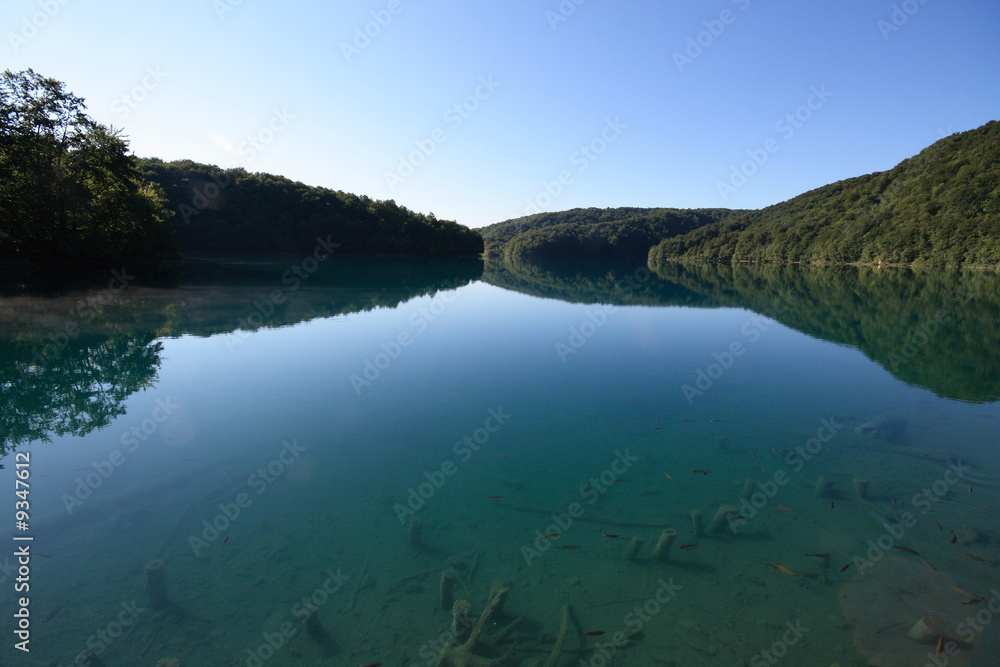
{"x":156,"y":586}
{"x":169,"y":662}
{"x":721,"y":518}
{"x":557,"y":649}
{"x":448,"y":589}
{"x":463,"y":655}
{"x":633,"y":548}
{"x":824,"y":487}
{"x":969,"y":535}
{"x":498,"y":592}
{"x":889,"y":426}
{"x":661,"y":552}
{"x":461,"y":617}
{"x":315,"y":629}
{"x":883,"y":604}
{"x":698,"y":523}
{"x":926,"y":630}
{"x":413,"y":532}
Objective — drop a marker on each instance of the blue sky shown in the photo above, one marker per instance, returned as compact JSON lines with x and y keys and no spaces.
{"x":560,"y":103}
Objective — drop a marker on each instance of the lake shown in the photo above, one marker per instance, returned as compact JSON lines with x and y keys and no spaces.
{"x":280,"y":462}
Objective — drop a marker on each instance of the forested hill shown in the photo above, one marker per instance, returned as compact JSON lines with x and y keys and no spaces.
{"x":940,"y":208}
{"x":497,"y":234}
{"x":233,"y":210}
{"x":75,"y":202}
{"x":593,"y":232}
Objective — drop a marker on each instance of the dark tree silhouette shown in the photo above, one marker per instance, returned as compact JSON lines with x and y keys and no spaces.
{"x":71,"y":196}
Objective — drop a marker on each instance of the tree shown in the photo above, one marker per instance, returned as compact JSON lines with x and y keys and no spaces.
{"x":71,"y":195}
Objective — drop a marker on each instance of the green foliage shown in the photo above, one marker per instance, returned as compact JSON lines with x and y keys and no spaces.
{"x":82,"y":389}
{"x":593,"y":233}
{"x":933,"y":328}
{"x":233,"y":211}
{"x":938,"y":208}
{"x":73,"y":200}
{"x":71,"y":196}
{"x":70,"y":360}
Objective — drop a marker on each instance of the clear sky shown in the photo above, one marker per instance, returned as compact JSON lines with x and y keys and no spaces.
{"x":560,"y":103}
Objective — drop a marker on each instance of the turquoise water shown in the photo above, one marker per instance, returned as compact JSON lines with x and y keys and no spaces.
{"x":279,"y":468}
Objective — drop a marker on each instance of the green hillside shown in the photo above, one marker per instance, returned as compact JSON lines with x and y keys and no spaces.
{"x":593,"y":232}
{"x":236,"y":211}
{"x":940,"y":208}
{"x":74,"y":201}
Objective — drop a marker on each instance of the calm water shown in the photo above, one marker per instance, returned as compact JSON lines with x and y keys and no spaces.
{"x":273,"y":443}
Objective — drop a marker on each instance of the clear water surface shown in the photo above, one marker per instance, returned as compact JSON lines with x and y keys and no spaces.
{"x":212,"y":461}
